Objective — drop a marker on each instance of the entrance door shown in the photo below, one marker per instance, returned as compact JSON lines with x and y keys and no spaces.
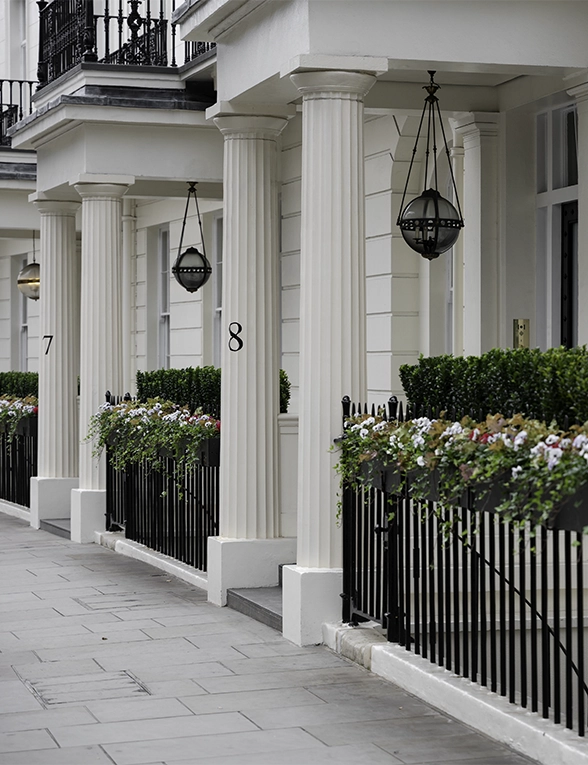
{"x":569,"y":271}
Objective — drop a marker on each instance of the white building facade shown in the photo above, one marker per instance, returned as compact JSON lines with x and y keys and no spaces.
{"x":299,"y":128}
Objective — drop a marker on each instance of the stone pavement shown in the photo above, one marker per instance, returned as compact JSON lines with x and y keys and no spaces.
{"x":106,"y":660}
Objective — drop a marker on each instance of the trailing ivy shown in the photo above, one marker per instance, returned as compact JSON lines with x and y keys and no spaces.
{"x":547,"y":385}
{"x":194,"y":387}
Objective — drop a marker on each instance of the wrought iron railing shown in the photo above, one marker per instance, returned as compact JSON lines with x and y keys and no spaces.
{"x":75,"y":31}
{"x":499,"y":603}
{"x":166,"y":507}
{"x":15,"y":103}
{"x":18,"y":462}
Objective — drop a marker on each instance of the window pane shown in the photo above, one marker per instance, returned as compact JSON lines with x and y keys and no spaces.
{"x":571,"y":152}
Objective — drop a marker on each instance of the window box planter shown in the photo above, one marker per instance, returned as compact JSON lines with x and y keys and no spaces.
{"x":28,"y":426}
{"x":209,"y":452}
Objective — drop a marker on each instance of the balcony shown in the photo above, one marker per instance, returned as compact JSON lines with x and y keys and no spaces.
{"x":15,"y":103}
{"x":133,"y":33}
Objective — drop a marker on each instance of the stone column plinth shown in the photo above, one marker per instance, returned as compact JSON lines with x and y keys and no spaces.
{"x":101,"y":366}
{"x":248,"y":551}
{"x":59,"y":362}
{"x":332,"y":333}
{"x":481,"y":256}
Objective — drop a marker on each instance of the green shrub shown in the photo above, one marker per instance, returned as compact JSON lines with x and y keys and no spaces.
{"x":194,"y":387}
{"x":550,"y":385}
{"x":20,"y":384}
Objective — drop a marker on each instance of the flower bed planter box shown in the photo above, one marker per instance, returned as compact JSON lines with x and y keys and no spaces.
{"x":209,"y":452}
{"x":572,"y":515}
{"x":28,"y":426}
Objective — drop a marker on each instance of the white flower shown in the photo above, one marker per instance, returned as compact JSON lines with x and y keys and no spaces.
{"x":364,"y":433}
{"x":379,"y":426}
{"x":520,"y":439}
{"x":516,"y":470}
{"x":368,"y":422}
{"x":453,"y":430}
{"x":421,"y":461}
{"x":418,"y":441}
{"x":551,"y":439}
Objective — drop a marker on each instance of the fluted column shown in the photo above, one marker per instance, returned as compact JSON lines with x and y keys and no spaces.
{"x":101,"y":365}
{"x":481,"y":255}
{"x":250,"y":379}
{"x":332,"y":295}
{"x":59,"y":359}
{"x":332,"y":329}
{"x":250,"y":356}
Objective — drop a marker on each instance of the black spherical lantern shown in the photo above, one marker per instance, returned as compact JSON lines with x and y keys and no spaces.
{"x":29,"y":281}
{"x":191,"y":269}
{"x":430,"y":224}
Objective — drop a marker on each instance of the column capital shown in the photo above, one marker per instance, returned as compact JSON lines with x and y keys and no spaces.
{"x":346,"y":84}
{"x":468,"y":124}
{"x":101,"y":190}
{"x":246,"y":126}
{"x":55,"y":206}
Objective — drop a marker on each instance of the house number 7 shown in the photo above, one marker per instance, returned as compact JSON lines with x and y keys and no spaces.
{"x":50,"y":339}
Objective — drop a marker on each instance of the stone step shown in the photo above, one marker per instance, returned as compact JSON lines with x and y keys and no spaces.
{"x":61,"y":527}
{"x":264,"y":604}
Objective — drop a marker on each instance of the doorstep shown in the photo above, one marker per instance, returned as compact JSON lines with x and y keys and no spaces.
{"x":264,"y":604}
{"x":61,"y":527}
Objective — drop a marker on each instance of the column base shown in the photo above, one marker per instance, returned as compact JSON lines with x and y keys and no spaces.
{"x":245,"y":563}
{"x":310,"y":597}
{"x":51,"y":498}
{"x":88,"y":514}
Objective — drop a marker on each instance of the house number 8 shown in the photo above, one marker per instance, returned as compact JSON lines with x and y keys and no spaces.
{"x":235,"y":342}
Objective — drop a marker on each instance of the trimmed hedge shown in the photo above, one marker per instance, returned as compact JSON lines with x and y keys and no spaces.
{"x":194,"y":387}
{"x":21,"y":384}
{"x":549,"y":385}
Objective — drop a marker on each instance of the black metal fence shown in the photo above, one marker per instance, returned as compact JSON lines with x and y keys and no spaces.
{"x":495,"y":602}
{"x":133,"y":32}
{"x":15,"y":103}
{"x":167,"y":507}
{"x":18,"y":463}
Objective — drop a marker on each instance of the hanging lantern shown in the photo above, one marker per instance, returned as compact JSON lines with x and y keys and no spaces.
{"x":28,"y":280}
{"x":191,"y":269}
{"x":430,"y":224}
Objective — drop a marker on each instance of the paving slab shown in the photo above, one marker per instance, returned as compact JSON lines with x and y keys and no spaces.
{"x":178,"y":681}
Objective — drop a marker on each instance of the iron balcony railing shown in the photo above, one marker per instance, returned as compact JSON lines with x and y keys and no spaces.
{"x":15,"y":103}
{"x":124,"y":32}
{"x":501,"y":604}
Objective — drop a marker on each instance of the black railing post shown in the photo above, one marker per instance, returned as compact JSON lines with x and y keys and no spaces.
{"x":89,"y":33}
{"x":42,"y":61}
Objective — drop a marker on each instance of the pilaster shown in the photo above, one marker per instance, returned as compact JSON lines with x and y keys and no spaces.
{"x":59,"y":360}
{"x":481,"y":257}
{"x":457,"y":160}
{"x":580,"y":93}
{"x":101,"y":365}
{"x":332,"y":330}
